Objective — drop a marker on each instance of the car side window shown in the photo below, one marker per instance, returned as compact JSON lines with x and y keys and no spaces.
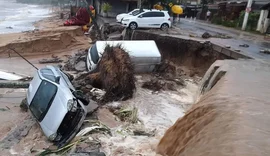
{"x":153,"y":14}
{"x":159,"y":14}
{"x":94,"y":54}
{"x":48,"y":74}
{"x":147,"y":14}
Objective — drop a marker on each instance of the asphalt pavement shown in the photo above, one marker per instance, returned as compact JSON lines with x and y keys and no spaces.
{"x":256,"y":42}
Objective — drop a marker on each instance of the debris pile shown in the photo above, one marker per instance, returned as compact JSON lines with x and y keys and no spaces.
{"x":206,"y":35}
{"x":115,"y":75}
{"x":77,"y":62}
{"x":127,"y":114}
{"x":157,"y":85}
{"x":54,"y":59}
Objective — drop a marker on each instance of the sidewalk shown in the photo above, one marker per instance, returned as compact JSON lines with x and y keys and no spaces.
{"x":238,"y":31}
{"x":255,"y":42}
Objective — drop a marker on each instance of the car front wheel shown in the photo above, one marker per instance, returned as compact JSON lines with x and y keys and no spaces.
{"x":164,"y":26}
{"x":133,"y":25}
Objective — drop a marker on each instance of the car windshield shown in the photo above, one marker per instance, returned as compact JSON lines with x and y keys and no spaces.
{"x":43,"y":99}
{"x":136,"y":12}
{"x":94,"y":54}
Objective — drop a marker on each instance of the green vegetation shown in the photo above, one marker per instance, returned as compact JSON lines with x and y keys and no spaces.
{"x":106,"y":7}
{"x":237,"y":23}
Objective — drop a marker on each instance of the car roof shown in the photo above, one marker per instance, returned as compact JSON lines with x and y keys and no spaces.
{"x":140,"y":48}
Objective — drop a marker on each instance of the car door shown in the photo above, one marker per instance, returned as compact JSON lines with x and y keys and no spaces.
{"x":151,"y":19}
{"x":157,"y":19}
{"x":143,"y":19}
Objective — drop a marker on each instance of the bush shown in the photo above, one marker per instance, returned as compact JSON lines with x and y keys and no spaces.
{"x":252,"y":20}
{"x":106,"y":7}
{"x":217,"y":19}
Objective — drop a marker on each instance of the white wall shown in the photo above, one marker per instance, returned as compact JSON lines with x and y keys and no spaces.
{"x":263,"y":22}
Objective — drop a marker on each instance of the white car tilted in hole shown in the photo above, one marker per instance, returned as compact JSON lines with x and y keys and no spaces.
{"x":132,"y":13}
{"x":56,"y":105}
{"x":148,"y":19}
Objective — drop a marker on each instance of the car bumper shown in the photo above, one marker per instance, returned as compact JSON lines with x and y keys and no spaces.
{"x":124,"y":24}
{"x":80,"y":116}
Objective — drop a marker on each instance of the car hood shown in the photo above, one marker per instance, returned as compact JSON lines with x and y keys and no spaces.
{"x":123,"y":15}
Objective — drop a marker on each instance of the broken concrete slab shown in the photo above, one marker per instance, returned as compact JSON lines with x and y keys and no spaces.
{"x":80,"y":66}
{"x":51,"y":60}
{"x":113,"y":37}
{"x":107,"y":118}
{"x":92,"y":107}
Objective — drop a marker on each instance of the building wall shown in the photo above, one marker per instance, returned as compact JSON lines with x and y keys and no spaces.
{"x":117,"y":7}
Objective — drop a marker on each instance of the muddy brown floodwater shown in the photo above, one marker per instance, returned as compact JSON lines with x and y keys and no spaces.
{"x":230,"y":118}
{"x":156,"y":111}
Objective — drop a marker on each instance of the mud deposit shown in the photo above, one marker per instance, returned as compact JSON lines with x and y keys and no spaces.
{"x":227,"y":120}
{"x":42,"y":42}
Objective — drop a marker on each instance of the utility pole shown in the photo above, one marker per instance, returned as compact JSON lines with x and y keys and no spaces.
{"x":248,"y":9}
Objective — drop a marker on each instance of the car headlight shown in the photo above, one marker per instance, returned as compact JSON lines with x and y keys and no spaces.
{"x":52,"y":137}
{"x":72,"y":105}
{"x":125,"y":20}
{"x":55,"y":137}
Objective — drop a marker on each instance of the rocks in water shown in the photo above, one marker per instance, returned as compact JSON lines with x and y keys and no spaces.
{"x":23,"y":105}
{"x":157,"y":85}
{"x":244,"y":45}
{"x":265,"y":51}
{"x":206,"y":35}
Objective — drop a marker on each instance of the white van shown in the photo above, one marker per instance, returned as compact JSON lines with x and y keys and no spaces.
{"x":144,"y":54}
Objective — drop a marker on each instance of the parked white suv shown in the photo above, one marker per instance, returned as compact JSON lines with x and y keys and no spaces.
{"x":132,"y":13}
{"x":148,"y":19}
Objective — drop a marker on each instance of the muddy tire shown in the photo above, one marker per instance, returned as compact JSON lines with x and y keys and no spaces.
{"x":164,"y":26}
{"x":133,"y":25}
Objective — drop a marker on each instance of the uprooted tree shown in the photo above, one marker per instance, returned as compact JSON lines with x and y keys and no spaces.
{"x":115,"y":75}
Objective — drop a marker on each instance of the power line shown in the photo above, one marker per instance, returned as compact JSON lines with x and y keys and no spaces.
{"x":23,"y":57}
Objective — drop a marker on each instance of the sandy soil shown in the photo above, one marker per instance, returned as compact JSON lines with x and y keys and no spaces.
{"x":18,"y":133}
{"x":50,"y":37}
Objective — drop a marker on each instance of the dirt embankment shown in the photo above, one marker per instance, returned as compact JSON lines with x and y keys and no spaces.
{"x":192,"y":56}
{"x":42,"y":42}
{"x":231,"y":117}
